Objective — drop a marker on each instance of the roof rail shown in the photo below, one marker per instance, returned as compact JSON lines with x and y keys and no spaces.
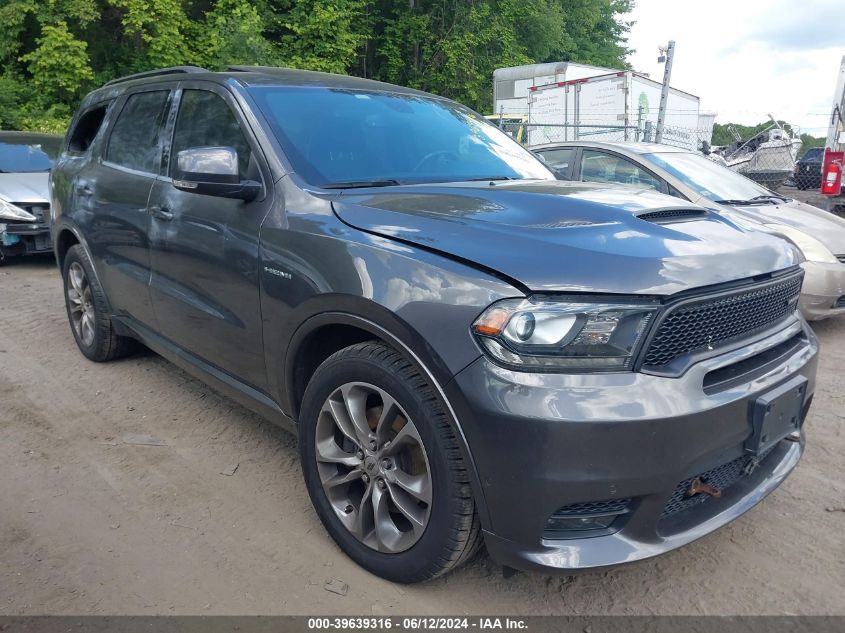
{"x":173,"y":70}
{"x":243,"y":68}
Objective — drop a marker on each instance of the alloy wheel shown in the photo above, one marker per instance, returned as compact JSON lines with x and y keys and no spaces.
{"x":81,"y":302}
{"x":373,"y":467}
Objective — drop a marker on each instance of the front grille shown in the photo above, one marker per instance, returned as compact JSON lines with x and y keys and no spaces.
{"x":714,"y":321}
{"x":612,"y":506}
{"x":40,"y":211}
{"x":671,"y":214}
{"x":722,"y":477}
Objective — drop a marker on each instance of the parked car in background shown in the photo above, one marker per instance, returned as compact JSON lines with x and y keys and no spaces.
{"x":818,"y":234}
{"x":25,"y":161}
{"x":808,"y":169}
{"x":514,"y":125}
{"x":469,"y":350}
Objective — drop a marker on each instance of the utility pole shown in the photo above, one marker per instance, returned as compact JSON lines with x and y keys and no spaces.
{"x":666,"y":57}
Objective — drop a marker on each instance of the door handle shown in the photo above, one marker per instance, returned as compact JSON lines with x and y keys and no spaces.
{"x":161,"y":213}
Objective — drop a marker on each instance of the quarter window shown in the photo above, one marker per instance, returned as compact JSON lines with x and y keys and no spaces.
{"x":602,"y":167}
{"x":135,"y":140}
{"x":205,"y":120}
{"x":85,"y":130}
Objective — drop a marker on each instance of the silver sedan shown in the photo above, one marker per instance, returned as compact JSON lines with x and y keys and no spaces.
{"x":818,"y":234}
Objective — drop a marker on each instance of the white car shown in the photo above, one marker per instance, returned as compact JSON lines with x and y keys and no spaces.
{"x":25,"y":162}
{"x":818,"y":234}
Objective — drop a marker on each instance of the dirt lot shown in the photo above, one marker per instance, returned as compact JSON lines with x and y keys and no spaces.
{"x":92,"y":525}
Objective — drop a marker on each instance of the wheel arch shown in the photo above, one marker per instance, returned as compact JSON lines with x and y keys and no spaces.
{"x":65,"y":236}
{"x":344,"y":329}
{"x":65,"y":239}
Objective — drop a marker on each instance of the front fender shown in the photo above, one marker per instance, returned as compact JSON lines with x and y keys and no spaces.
{"x":430,"y":366}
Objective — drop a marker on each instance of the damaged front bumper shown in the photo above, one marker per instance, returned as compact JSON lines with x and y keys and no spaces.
{"x":21,"y":238}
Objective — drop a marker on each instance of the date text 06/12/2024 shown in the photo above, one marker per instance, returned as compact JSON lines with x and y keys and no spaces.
{"x":416,"y":623}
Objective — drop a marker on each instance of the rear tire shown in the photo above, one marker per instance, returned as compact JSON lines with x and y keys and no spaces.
{"x":359,"y":384}
{"x":87,"y":310}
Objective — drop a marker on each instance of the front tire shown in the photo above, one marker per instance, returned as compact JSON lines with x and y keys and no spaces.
{"x":383,"y":467}
{"x":87,"y":310}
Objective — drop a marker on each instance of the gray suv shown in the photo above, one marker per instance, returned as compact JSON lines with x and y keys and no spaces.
{"x":470,"y":351}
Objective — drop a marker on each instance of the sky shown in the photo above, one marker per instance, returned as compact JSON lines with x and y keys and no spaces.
{"x":747,"y":58}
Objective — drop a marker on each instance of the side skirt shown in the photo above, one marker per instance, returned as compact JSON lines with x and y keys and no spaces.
{"x":244,"y":394}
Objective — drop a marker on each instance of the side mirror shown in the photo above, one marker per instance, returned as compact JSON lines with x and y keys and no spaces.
{"x":213,"y":171}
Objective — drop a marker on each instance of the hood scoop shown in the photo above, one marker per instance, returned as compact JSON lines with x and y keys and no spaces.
{"x":672,"y":215}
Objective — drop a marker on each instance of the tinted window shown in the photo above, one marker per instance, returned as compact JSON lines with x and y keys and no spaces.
{"x":135,"y":141}
{"x":205,"y":120}
{"x":335,"y":136}
{"x":814,"y":153}
{"x":27,"y":154}
{"x":602,"y":167}
{"x":707,"y":178}
{"x":558,"y":160}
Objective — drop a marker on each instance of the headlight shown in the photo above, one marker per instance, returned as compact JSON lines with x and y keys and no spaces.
{"x":567,"y":336}
{"x":8,"y":211}
{"x":813,"y":250}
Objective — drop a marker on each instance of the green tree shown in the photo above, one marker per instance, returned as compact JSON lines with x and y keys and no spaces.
{"x":321,"y":34}
{"x":51,"y":51}
{"x":234,"y":32}
{"x":59,"y":65}
{"x":159,"y":29}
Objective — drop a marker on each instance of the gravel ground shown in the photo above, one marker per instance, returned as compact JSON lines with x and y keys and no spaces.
{"x":92,"y":525}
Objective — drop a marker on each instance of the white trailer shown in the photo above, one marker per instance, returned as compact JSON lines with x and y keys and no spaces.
{"x":836,"y":130}
{"x":618,"y":106}
{"x":511,"y":85}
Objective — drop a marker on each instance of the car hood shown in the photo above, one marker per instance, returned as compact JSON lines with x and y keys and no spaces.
{"x":25,"y":187}
{"x":826,"y":227}
{"x":573,"y":237}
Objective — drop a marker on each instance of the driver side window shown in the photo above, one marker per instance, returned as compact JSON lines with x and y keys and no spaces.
{"x":603,"y":167}
{"x":205,"y":120}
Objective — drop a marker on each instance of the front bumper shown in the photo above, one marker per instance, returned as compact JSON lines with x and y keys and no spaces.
{"x":541,"y":442}
{"x":823,"y":292}
{"x":24,"y":239}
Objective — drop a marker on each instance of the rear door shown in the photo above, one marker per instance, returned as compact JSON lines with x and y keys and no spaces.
{"x":118,"y":189}
{"x":204,"y":249}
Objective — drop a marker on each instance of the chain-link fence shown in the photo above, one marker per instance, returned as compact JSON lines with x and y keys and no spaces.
{"x":769,"y":158}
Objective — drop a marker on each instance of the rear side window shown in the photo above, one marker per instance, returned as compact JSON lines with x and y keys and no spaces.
{"x":601,"y":167}
{"x":86,"y":128}
{"x":205,"y":120}
{"x":135,"y":141}
{"x":558,"y":160}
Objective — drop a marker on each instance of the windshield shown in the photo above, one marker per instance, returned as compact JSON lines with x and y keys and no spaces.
{"x":337,"y":137}
{"x":707,"y":178}
{"x":28,"y":154}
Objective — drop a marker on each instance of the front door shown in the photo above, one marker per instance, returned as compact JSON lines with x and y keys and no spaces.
{"x":204,"y":249}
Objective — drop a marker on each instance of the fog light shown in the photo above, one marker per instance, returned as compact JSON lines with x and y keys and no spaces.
{"x":592,"y":518}
{"x":567,"y":524}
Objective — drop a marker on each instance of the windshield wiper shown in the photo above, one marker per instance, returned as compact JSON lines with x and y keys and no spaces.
{"x":490,"y":178}
{"x":752,"y":201}
{"x":357,"y":184}
{"x":771,"y":197}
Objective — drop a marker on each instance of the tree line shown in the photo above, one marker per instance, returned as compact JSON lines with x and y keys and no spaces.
{"x":53,"y":51}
